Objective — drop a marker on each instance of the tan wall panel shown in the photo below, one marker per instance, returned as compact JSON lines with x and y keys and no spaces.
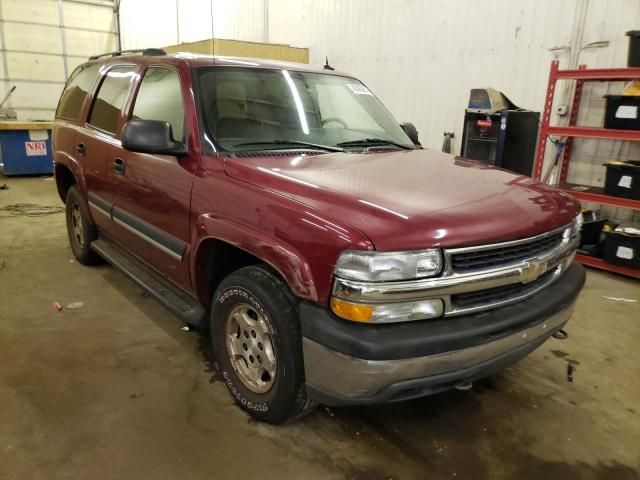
{"x":37,"y":11}
{"x":87,"y":16}
{"x":37,"y":38}
{"x":31,"y":95}
{"x":37,"y":98}
{"x":35,"y":115}
{"x":80,"y":42}
{"x":35,"y":67}
{"x":238,"y":48}
{"x":73,"y":62}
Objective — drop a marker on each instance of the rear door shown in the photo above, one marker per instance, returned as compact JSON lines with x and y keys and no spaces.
{"x":96,"y":142}
{"x":152,"y":193}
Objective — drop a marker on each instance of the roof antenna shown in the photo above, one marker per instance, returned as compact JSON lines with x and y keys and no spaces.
{"x":326,"y":65}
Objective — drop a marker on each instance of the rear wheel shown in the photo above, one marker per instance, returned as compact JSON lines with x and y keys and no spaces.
{"x":257,"y":343}
{"x":80,"y":229}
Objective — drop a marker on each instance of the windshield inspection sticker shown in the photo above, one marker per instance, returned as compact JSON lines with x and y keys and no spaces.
{"x":359,"y":89}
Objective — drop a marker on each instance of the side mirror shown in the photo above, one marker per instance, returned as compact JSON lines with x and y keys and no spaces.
{"x":151,"y":136}
{"x":412,"y":133}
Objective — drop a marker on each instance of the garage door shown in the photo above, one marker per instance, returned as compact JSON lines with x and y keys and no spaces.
{"x":42,"y":41}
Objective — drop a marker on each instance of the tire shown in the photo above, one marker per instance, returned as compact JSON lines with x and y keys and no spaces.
{"x":80,"y":230}
{"x":257,"y":343}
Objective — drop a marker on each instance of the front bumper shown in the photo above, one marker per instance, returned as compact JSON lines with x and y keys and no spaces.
{"x":348,"y":363}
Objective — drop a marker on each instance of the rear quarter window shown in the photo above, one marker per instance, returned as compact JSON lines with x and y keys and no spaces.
{"x":76,"y":91}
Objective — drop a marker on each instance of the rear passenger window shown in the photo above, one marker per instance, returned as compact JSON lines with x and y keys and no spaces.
{"x":110,"y":99}
{"x":76,"y":91}
{"x":160,"y":98}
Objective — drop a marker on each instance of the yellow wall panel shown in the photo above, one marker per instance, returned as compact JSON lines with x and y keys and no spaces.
{"x":237,"y":48}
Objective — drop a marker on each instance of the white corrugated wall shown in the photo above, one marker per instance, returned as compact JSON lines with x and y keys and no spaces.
{"x":168,"y":22}
{"x":422,"y":57}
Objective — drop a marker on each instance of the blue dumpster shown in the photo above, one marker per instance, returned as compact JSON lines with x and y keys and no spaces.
{"x":25,"y":148}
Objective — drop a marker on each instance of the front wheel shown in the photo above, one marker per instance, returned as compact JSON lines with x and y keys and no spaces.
{"x":257,"y":343}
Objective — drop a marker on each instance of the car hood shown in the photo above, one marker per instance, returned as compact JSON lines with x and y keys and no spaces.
{"x":413,"y":199}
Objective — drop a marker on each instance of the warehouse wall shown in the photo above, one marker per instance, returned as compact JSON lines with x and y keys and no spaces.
{"x":169,"y":22}
{"x":42,"y":41}
{"x":422,"y":57}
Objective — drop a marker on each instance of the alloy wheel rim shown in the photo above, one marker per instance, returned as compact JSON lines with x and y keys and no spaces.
{"x":76,"y":224}
{"x":250,"y":348}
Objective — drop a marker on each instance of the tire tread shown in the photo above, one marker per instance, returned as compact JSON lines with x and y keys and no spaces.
{"x":86,"y":256}
{"x":270,"y":281}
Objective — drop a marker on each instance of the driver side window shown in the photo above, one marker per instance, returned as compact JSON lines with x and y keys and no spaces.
{"x":160,"y":98}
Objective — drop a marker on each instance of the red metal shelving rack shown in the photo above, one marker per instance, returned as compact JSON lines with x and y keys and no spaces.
{"x":584,"y":192}
{"x":595,"y":262}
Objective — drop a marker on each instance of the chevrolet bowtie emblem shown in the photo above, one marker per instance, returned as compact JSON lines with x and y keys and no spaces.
{"x":532,"y":271}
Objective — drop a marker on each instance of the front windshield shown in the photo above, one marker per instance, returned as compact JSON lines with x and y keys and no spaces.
{"x":250,"y":109}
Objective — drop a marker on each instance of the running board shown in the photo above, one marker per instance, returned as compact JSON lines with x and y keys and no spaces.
{"x":177,"y":301}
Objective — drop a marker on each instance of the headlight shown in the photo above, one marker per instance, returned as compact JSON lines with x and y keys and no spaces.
{"x":388,"y":266}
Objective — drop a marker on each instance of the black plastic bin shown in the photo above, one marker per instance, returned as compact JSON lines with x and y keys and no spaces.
{"x":623,"y":179}
{"x":622,"y":112}
{"x":591,"y":231}
{"x":622,"y":249}
{"x":633,"y":57}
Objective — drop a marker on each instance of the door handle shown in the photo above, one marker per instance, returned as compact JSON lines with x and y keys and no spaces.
{"x":81,"y":148}
{"x":118,"y":165}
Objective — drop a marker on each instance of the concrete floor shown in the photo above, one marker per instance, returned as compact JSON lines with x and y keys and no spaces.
{"x":116,"y":390}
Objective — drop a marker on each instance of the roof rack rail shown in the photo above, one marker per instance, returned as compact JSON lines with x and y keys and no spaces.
{"x":150,"y":52}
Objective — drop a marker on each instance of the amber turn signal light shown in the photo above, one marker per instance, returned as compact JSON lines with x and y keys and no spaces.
{"x":351,"y":311}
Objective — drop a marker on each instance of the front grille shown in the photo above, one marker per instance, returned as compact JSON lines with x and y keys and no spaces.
{"x":465,"y":262}
{"x":499,"y":294}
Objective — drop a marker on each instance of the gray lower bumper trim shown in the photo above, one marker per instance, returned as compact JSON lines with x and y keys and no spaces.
{"x":350,"y":378}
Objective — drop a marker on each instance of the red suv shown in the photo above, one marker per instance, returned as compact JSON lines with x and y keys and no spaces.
{"x":333,"y":259}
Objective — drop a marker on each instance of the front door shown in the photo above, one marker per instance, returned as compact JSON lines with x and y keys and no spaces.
{"x":152,"y":193}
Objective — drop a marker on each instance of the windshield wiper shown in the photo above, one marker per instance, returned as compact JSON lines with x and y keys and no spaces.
{"x":365,"y":142}
{"x":328,"y":148}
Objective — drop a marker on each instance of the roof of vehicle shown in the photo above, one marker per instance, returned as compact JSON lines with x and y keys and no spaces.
{"x":203,"y":60}
{"x":218,"y":60}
